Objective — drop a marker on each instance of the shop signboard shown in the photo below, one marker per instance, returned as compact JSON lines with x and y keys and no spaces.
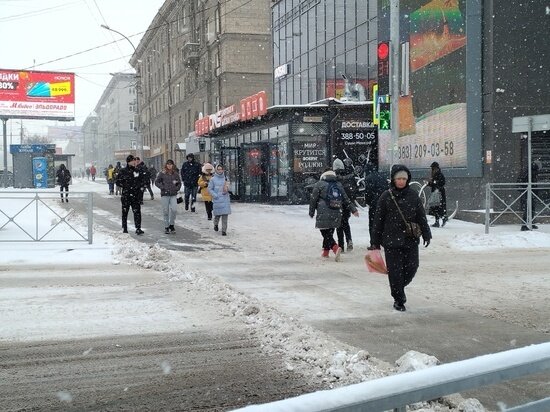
{"x":356,"y":139}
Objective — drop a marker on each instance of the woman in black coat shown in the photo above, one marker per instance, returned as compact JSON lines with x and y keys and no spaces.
{"x":389,"y":230}
{"x":437,"y":182}
{"x":328,"y":219}
{"x":63,"y":179}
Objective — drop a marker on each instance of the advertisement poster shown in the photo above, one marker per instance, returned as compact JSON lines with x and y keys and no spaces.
{"x":432,"y":118}
{"x":356,"y":140}
{"x":37,"y":95}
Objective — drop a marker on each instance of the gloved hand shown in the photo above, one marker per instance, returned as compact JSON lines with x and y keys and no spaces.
{"x":373,"y":247}
{"x":311,"y":215}
{"x":426,"y":242}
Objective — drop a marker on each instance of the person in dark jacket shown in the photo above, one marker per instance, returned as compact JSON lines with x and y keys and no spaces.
{"x":131,"y":181}
{"x":63,"y":177}
{"x":145,"y":177}
{"x":169,"y":183}
{"x":328,"y":219}
{"x":153,"y":172}
{"x":348,"y":182}
{"x":524,"y":178}
{"x":437,"y":182}
{"x":389,"y":230}
{"x":375,"y":185}
{"x":190,"y":173}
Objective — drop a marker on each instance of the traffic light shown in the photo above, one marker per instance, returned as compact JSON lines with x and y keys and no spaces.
{"x":383,"y":54}
{"x":385,"y":116}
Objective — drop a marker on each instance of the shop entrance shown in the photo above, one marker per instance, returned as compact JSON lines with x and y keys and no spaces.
{"x":255,"y":162}
{"x":231,"y":161}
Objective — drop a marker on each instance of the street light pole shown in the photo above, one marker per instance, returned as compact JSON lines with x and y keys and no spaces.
{"x":138,"y":122}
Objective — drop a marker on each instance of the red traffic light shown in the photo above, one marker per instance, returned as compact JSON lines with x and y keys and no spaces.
{"x":383,"y":50}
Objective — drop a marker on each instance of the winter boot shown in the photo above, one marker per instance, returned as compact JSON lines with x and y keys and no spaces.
{"x":186,"y":206}
{"x":192,"y":206}
{"x":350,"y":246}
{"x":172,"y":229}
{"x":436,"y":224}
{"x":399,"y":306}
{"x":445,"y":219}
{"x":524,"y":228}
{"x":224,"y":233}
{"x":325,"y":253}
{"x":337,"y":251}
{"x":167,"y":230}
{"x":139,"y":231}
{"x":215,"y":228}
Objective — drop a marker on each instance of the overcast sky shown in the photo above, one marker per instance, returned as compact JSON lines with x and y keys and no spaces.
{"x":55,"y":35}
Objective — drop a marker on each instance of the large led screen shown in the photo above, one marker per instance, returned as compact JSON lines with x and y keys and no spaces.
{"x":432,"y":117}
{"x":37,"y":95}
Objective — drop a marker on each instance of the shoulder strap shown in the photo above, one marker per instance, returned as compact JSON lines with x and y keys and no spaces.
{"x":398,"y":208}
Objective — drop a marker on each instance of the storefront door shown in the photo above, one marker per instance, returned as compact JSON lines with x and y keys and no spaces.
{"x":255,"y":161}
{"x":231,"y":160}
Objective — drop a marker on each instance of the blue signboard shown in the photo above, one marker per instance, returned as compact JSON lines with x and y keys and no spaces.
{"x":32,"y":148}
{"x":40,"y":172}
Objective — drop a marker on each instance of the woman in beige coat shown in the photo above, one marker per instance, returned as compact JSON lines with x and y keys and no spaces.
{"x":204,"y":178}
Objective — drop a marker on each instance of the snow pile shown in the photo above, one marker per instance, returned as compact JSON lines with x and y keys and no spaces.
{"x":413,"y":361}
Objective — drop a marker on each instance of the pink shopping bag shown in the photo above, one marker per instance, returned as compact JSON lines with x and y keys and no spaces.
{"x":375,"y":262}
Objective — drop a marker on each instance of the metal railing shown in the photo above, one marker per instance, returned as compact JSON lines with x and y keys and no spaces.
{"x":511,"y":198}
{"x":396,"y":391}
{"x":35,"y":218}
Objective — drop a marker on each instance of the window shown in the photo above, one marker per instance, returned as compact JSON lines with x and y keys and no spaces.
{"x":132,"y":125}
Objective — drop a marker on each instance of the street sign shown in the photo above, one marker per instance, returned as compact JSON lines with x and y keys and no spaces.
{"x":539,"y":123}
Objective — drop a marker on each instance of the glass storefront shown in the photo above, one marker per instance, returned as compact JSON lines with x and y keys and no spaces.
{"x":317,"y":42}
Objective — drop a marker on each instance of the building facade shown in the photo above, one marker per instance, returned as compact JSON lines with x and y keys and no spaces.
{"x":317,"y":44}
{"x":464,"y":73}
{"x":110,"y":133}
{"x":196,"y":58}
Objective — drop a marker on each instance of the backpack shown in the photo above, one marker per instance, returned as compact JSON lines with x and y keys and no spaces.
{"x":334,"y":198}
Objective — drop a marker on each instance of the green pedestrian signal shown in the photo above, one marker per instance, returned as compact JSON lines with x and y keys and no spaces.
{"x":385,"y":116}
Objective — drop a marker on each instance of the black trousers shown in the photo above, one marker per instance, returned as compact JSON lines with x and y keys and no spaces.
{"x":134,"y":203}
{"x":66,"y":188}
{"x":328,"y":238}
{"x":402,"y":265}
{"x":372,"y":212}
{"x":344,"y":230}
{"x":208,"y":205}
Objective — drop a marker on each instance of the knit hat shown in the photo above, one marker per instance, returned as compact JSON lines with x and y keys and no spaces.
{"x":434,"y":164}
{"x":337,"y":165}
{"x":327,"y":173}
{"x":190,"y":156}
{"x":206,"y":167}
{"x":170,"y":161}
{"x":402,"y":174}
{"x":130,"y":158}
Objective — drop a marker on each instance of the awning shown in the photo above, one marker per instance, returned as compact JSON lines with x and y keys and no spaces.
{"x":181,"y":147}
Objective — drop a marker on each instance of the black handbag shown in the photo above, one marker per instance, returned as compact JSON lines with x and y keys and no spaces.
{"x":412,"y":229}
{"x":179,"y":200}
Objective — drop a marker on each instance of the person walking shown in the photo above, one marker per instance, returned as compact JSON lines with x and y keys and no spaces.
{"x":153,"y":173}
{"x":524,"y":178}
{"x":118,"y":189}
{"x":327,"y":200}
{"x":204,"y":179}
{"x":93,"y":172}
{"x":169,"y":183}
{"x":375,"y":185}
{"x":396,"y":209}
{"x":190,"y":172}
{"x":111,"y":179}
{"x":131,"y":182}
{"x":343,"y":232}
{"x":218,"y":187}
{"x":63,"y":177}
{"x":88,"y":173}
{"x":146,"y":178}
{"x":437,"y":184}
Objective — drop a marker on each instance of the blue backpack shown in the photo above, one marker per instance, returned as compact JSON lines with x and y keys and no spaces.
{"x":334,"y":198}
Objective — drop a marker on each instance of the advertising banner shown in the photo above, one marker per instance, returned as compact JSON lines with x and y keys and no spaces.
{"x":37,"y":95}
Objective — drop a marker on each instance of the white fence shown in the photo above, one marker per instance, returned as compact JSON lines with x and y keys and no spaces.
{"x":39,"y":216}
